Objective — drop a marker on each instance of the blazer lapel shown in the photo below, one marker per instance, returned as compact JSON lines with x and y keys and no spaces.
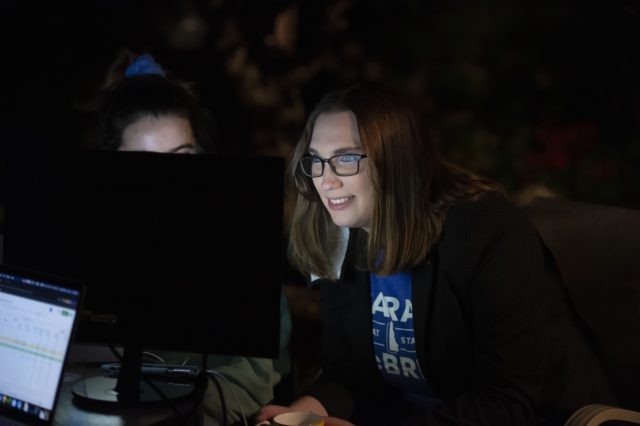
{"x":422,"y":284}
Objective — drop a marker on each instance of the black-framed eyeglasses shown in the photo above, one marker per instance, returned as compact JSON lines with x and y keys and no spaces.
{"x":341,"y":164}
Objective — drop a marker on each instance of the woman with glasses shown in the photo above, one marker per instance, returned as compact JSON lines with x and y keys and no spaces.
{"x":441,"y":306}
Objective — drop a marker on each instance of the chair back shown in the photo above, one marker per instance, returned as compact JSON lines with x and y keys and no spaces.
{"x":597,"y":250}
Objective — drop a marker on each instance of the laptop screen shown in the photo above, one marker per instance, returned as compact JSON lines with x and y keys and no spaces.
{"x":37,"y":318}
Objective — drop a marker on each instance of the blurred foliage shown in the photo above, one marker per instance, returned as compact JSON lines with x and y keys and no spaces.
{"x":530,"y":93}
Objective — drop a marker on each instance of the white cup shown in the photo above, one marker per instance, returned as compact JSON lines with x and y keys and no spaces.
{"x":298,"y":418}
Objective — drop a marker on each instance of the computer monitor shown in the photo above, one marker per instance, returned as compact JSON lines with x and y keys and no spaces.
{"x":178,"y":252}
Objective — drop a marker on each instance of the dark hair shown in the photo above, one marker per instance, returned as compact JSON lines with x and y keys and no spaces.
{"x":128,"y":99}
{"x":413,"y":185}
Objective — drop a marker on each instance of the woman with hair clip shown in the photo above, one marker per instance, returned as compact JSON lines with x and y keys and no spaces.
{"x":142,"y":109}
{"x":145,"y":110}
{"x":440,"y":303}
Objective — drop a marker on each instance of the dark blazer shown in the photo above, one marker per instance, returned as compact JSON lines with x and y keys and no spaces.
{"x":495,"y":335}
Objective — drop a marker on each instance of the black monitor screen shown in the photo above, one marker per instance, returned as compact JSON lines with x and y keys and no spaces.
{"x":184,"y":250}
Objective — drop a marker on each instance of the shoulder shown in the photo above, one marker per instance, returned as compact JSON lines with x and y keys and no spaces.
{"x":490,"y":213}
{"x":472,"y":226}
{"x":488,"y":205}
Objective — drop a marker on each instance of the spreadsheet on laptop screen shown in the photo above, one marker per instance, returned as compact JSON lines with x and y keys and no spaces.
{"x":36,"y":325}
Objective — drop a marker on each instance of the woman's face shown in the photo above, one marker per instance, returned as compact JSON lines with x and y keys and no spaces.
{"x":349,"y":199}
{"x":169,"y":134}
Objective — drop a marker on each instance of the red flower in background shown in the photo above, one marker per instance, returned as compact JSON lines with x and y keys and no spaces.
{"x":561,"y":145}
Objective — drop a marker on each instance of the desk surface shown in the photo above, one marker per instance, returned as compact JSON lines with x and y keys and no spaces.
{"x":69,"y":413}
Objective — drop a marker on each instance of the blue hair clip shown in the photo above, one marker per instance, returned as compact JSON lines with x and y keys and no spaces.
{"x":144,"y":65}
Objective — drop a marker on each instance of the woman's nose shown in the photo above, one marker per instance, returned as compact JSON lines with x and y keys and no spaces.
{"x":329,"y":179}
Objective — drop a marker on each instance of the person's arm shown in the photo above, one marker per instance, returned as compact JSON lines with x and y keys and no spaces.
{"x":509,"y":325}
{"x":348,"y":366}
{"x":283,"y":363}
{"x":338,"y":378}
{"x":250,"y":380}
{"x":247,"y":385}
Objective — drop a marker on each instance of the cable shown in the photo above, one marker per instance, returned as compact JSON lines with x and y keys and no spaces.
{"x":114,"y":351}
{"x":223,"y":404}
{"x":201,"y":385}
{"x":189,"y":357}
{"x":235,"y":396}
{"x":154,"y":356}
{"x":164,"y":397}
{"x":166,"y":400}
{"x":180,"y":418}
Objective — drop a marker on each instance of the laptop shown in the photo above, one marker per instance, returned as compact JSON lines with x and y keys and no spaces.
{"x":38,"y":316}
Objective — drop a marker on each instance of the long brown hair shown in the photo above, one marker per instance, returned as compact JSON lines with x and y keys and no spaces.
{"x":413,"y":185}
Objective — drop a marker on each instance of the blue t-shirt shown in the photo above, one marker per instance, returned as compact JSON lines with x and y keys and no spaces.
{"x":394,"y":339}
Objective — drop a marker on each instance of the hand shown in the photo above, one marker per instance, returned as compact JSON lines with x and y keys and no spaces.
{"x":270,"y":411}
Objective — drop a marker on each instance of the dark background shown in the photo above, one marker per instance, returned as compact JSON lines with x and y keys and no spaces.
{"x":541,"y":95}
{"x":536,"y":94}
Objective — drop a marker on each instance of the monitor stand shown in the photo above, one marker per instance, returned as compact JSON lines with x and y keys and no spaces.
{"x":129,"y":389}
